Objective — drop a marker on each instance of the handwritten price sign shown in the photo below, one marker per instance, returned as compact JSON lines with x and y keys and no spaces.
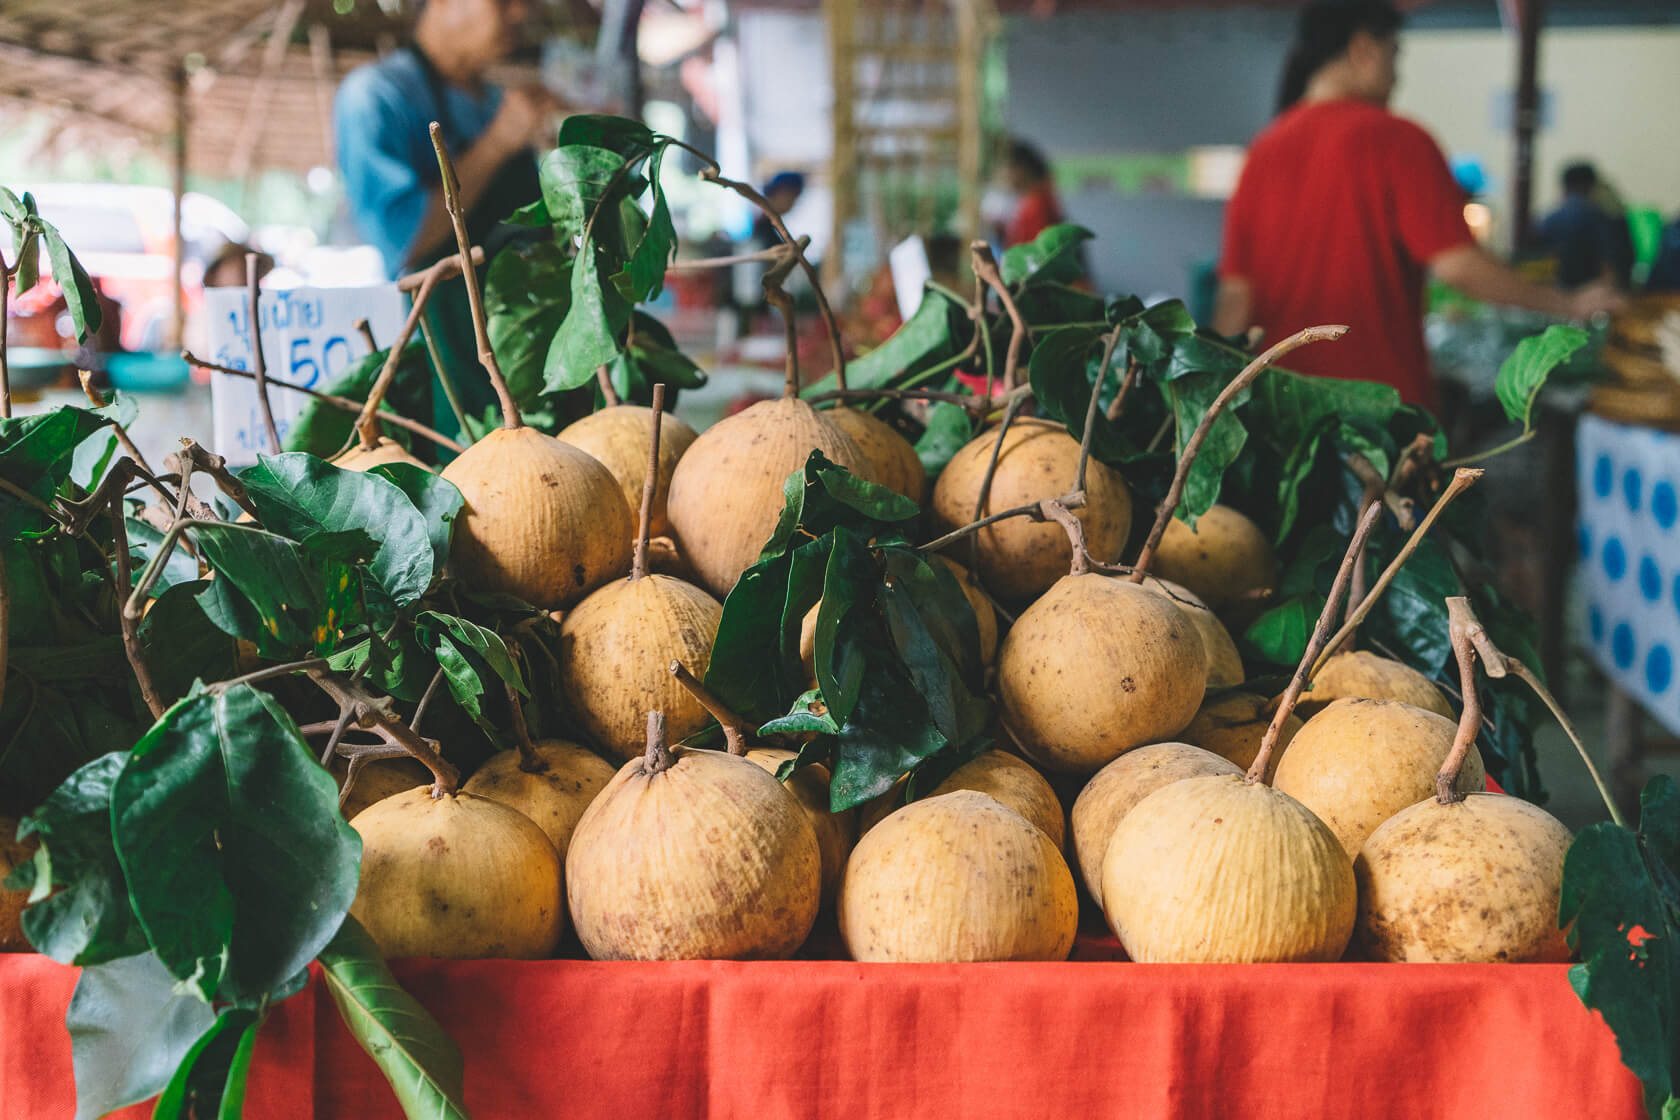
{"x":308,"y":336}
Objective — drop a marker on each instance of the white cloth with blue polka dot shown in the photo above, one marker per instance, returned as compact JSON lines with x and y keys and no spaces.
{"x":1628,"y":538}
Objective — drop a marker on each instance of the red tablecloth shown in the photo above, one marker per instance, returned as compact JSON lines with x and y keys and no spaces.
{"x":831,"y":1038}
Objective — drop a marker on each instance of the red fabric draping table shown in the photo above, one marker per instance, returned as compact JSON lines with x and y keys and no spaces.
{"x":833,"y":1038}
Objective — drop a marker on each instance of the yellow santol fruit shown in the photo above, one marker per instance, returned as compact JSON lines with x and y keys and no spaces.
{"x":1020,"y":558}
{"x":618,"y":437}
{"x":384,"y":452}
{"x":726,"y":492}
{"x":1362,"y":675}
{"x":542,"y":520}
{"x":377,"y":780}
{"x":1225,"y":667}
{"x":836,"y":832}
{"x":1013,"y":783}
{"x":889,"y":459}
{"x":957,"y":877}
{"x":1359,"y":762}
{"x":457,"y":876}
{"x":1223,"y":870}
{"x":1114,"y":790}
{"x":1222,"y":559}
{"x":693,"y":854}
{"x":553,"y":786}
{"x":1232,"y":725}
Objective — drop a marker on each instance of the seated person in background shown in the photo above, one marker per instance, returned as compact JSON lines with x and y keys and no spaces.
{"x":1582,"y":233}
{"x":1037,"y":208}
{"x":781,"y":192}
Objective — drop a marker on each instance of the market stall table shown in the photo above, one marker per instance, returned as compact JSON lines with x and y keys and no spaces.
{"x":834,"y":1038}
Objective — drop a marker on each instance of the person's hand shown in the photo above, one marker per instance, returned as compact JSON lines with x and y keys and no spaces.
{"x":1597,"y":297}
{"x":523,"y":117}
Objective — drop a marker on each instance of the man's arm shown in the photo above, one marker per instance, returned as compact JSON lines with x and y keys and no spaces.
{"x":1233,"y":310}
{"x":1479,"y":275}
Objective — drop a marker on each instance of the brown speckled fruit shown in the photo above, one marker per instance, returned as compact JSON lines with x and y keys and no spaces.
{"x":385,"y":451}
{"x":1014,"y":784}
{"x":12,"y":903}
{"x":726,"y":493}
{"x":957,"y":877}
{"x":1475,"y":881}
{"x":1221,"y":559}
{"x":614,"y":647}
{"x":1232,"y":725}
{"x":1225,"y":667}
{"x":693,"y":855}
{"x":1219,"y":870}
{"x":457,"y":877}
{"x":889,"y":458}
{"x":836,"y":832}
{"x":554,"y":795}
{"x":1116,"y":788}
{"x":618,"y":438}
{"x":1096,"y":667}
{"x":1364,"y":675}
{"x":377,"y":780}
{"x":1020,"y":558}
{"x":543,"y":521}
{"x":1359,"y":762}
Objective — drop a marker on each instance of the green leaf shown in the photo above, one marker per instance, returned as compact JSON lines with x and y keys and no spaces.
{"x":421,"y":1062}
{"x":298,"y":495}
{"x":130,"y":1027}
{"x":1049,"y":256}
{"x":620,"y":135}
{"x":143,"y":543}
{"x":265,"y":591}
{"x":575,"y":182}
{"x":653,"y":252}
{"x":808,"y":714}
{"x":641,"y":366}
{"x":889,"y":733}
{"x":934,"y":630}
{"x":1620,"y":893}
{"x":527,"y":292}
{"x":1523,"y":374}
{"x":948,"y":431}
{"x":1061,"y":369}
{"x":1281,"y":634}
{"x":1286,"y":407}
{"x":923,"y":340}
{"x":80,"y":297}
{"x":434,"y":497}
{"x":487,"y":644}
{"x":239,"y":865}
{"x":210,"y":1080}
{"x":848,"y":585}
{"x":182,"y":645}
{"x":1412,"y":614}
{"x":321,"y":428}
{"x":533,"y":214}
{"x":589,"y":335}
{"x":1191,"y":396}
{"x":86,"y":921}
{"x":37,"y":453}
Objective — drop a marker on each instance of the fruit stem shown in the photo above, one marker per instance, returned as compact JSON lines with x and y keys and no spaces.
{"x":735,"y":728}
{"x":1061,"y":515}
{"x":475,"y":298}
{"x":1375,"y":484}
{"x":365,"y":329}
{"x":1118,"y":404}
{"x":1470,"y":713}
{"x":658,"y":756}
{"x":1193,"y":446}
{"x":797,"y":246}
{"x":343,"y":403}
{"x":259,"y":367}
{"x":777,"y":297}
{"x":529,"y":760}
{"x":367,"y":421}
{"x":986,"y":268}
{"x":1091,"y":409}
{"x":603,"y":378}
{"x":985,"y":494}
{"x":638,"y":558}
{"x":374,"y":714}
{"x":130,"y":625}
{"x":1462,"y":480}
{"x":1292,"y":694}
{"x":1499,"y":665}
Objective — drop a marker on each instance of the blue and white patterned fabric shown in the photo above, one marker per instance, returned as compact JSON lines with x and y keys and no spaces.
{"x":1628,"y":538}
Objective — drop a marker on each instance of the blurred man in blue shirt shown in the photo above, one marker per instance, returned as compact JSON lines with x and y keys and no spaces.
{"x":381,"y":119}
{"x":1589,"y":244}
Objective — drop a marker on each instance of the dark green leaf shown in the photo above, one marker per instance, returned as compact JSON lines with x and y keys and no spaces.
{"x":239,"y":865}
{"x":1047,"y":304}
{"x":297,"y":495}
{"x":889,"y":733}
{"x":1191,"y":396}
{"x":1412,"y":614}
{"x":143,"y":542}
{"x":87,"y":920}
{"x":1049,"y":256}
{"x":948,"y":430}
{"x":264,"y":592}
{"x":487,"y":644}
{"x":420,"y":1061}
{"x":924,"y":339}
{"x":130,"y":1027}
{"x":210,"y":1080}
{"x":653,"y":251}
{"x":741,"y":672}
{"x":534,"y":215}
{"x":589,"y":335}
{"x":182,"y":645}
{"x":808,"y":714}
{"x":848,"y":588}
{"x":620,"y":135}
{"x":928,"y":629}
{"x":527,"y":292}
{"x":1524,"y":373}
{"x":1286,"y":407}
{"x":434,"y":497}
{"x":1061,"y":370}
{"x":576,"y":179}
{"x":37,"y":452}
{"x":1281,"y":634}
{"x":80,"y":297}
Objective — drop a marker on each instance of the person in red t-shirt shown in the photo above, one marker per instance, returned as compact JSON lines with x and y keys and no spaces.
{"x":1038,"y":208}
{"x":1342,"y":207}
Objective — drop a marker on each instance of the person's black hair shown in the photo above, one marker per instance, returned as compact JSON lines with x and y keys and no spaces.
{"x":1580,"y":178}
{"x":1323,"y":31}
{"x":1029,"y":159}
